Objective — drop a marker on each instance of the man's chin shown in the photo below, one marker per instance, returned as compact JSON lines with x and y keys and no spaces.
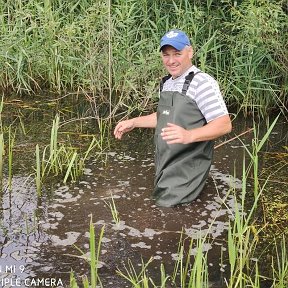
{"x":174,"y":75}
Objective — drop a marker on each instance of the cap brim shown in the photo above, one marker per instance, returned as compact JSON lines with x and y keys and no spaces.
{"x":177,"y":45}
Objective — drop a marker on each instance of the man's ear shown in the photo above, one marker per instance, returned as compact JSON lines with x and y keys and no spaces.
{"x":190,"y":52}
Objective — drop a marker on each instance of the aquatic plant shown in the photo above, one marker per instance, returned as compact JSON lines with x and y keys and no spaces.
{"x":138,"y":279}
{"x":254,"y":154}
{"x":38,"y":172}
{"x":93,"y":260}
{"x":1,"y":158}
{"x":53,"y":159}
{"x":192,"y":273}
{"x":63,"y":159}
{"x":114,"y":212}
{"x":95,"y":254}
{"x":1,"y":110}
{"x":11,"y":140}
{"x":242,"y":238}
{"x":280,"y":269}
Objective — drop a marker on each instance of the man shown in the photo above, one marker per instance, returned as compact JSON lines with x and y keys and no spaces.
{"x":191,"y":114}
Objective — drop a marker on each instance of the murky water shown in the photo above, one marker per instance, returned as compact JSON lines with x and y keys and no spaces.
{"x":39,"y":238}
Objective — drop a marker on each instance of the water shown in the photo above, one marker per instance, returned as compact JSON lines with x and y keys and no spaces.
{"x":40,"y":239}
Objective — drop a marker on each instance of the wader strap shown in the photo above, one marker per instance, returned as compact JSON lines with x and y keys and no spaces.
{"x":163,"y":80}
{"x":188,"y":80}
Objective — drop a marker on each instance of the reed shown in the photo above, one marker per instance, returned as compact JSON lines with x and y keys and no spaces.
{"x":113,"y":209}
{"x":242,"y":243}
{"x":11,"y":140}
{"x":1,"y":110}
{"x":137,"y":279}
{"x":38,"y":172}
{"x":94,"y":260}
{"x":241,"y":44}
{"x":241,"y":239}
{"x":1,"y":159}
{"x":95,"y":254}
{"x":186,"y":273}
{"x":73,"y":282}
{"x":280,"y":269}
{"x":63,"y":159}
{"x":54,"y":145}
{"x":192,"y":273}
{"x":69,"y":171}
{"x":254,"y":154}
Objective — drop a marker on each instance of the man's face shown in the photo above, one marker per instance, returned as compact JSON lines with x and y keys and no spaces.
{"x":176,"y":62}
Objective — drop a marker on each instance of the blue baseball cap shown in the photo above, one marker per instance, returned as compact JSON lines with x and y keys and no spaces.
{"x":175,"y":38}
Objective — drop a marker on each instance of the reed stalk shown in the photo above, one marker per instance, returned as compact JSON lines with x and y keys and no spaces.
{"x":136,"y":279}
{"x":64,"y":160}
{"x":38,"y":172}
{"x":194,"y":273}
{"x":11,"y":140}
{"x":73,"y":282}
{"x":69,"y":171}
{"x":94,"y":260}
{"x":1,"y":159}
{"x":54,"y":144}
{"x":110,"y":58}
{"x":280,"y":269}
{"x":113,"y":210}
{"x":254,"y":154}
{"x":1,"y":110}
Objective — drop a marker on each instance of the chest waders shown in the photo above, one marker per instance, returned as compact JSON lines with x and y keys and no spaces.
{"x":181,"y":169}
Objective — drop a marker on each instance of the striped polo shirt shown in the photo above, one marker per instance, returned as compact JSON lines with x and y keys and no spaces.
{"x":204,"y":90}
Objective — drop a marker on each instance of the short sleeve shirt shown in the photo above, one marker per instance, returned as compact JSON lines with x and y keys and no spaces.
{"x":204,"y":90}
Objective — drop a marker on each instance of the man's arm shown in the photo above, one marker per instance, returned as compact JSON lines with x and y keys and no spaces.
{"x":147,"y":121}
{"x":175,"y":134}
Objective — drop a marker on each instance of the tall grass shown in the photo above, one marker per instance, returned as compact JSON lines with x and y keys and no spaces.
{"x":109,"y":49}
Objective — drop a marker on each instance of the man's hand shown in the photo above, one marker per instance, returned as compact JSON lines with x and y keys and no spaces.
{"x":123,"y":127}
{"x":147,"y":121}
{"x":173,"y":134}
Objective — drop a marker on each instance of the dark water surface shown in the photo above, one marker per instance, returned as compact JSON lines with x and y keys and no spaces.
{"x":38,"y":237}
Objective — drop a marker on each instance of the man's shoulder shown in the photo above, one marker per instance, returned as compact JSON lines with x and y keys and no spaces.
{"x":203,"y":77}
